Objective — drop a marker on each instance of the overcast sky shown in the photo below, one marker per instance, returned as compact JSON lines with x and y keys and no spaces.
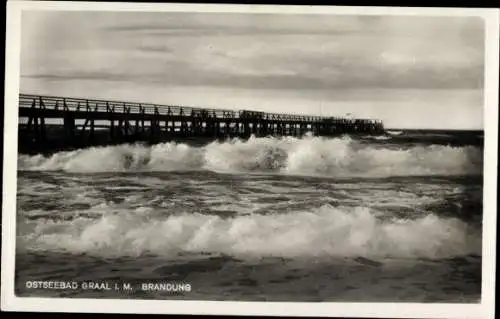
{"x":411,"y":72}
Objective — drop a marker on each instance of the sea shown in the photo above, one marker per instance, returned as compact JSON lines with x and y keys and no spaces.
{"x":389,"y":218}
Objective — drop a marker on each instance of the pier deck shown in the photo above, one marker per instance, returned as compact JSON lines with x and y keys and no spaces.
{"x":85,"y":122}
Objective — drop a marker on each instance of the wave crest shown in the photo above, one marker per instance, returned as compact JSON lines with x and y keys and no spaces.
{"x":338,"y":157}
{"x":323,"y":232}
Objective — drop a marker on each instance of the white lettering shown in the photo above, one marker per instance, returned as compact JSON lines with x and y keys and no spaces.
{"x":55,"y":285}
{"x":127,"y":286}
{"x":168,"y":287}
{"x":91,"y":285}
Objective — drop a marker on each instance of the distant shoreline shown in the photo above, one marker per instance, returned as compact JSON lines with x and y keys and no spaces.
{"x":435,"y":130}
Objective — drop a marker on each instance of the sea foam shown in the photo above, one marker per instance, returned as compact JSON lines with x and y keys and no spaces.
{"x":325,"y":231}
{"x":316,"y":156}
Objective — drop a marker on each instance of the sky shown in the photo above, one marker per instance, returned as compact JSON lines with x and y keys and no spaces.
{"x":409,"y":71}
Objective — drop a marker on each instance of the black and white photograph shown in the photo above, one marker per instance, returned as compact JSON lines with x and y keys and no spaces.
{"x":268,"y":157}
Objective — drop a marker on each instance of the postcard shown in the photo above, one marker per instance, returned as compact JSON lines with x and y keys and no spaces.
{"x":272,"y":160}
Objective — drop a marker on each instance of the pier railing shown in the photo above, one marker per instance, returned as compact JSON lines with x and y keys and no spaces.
{"x":110,"y":106}
{"x":84,"y":122}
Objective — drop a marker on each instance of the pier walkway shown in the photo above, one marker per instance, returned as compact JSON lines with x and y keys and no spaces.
{"x":84,"y":122}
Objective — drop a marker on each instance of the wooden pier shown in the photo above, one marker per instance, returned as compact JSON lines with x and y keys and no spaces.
{"x":86,"y":122}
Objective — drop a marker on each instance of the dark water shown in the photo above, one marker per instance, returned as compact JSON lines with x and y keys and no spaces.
{"x":312,"y":219}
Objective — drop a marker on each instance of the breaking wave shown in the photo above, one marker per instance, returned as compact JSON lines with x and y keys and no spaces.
{"x":394,"y":132}
{"x":314,"y":156}
{"x":322,"y":232}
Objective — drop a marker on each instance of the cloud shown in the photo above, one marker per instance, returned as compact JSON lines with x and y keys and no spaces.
{"x":259,"y":51}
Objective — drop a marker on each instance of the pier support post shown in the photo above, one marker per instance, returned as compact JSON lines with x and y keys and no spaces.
{"x":69,"y":128}
{"x":92,"y":130}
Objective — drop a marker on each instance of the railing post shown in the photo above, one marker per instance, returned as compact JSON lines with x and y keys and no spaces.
{"x":42,"y":105}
